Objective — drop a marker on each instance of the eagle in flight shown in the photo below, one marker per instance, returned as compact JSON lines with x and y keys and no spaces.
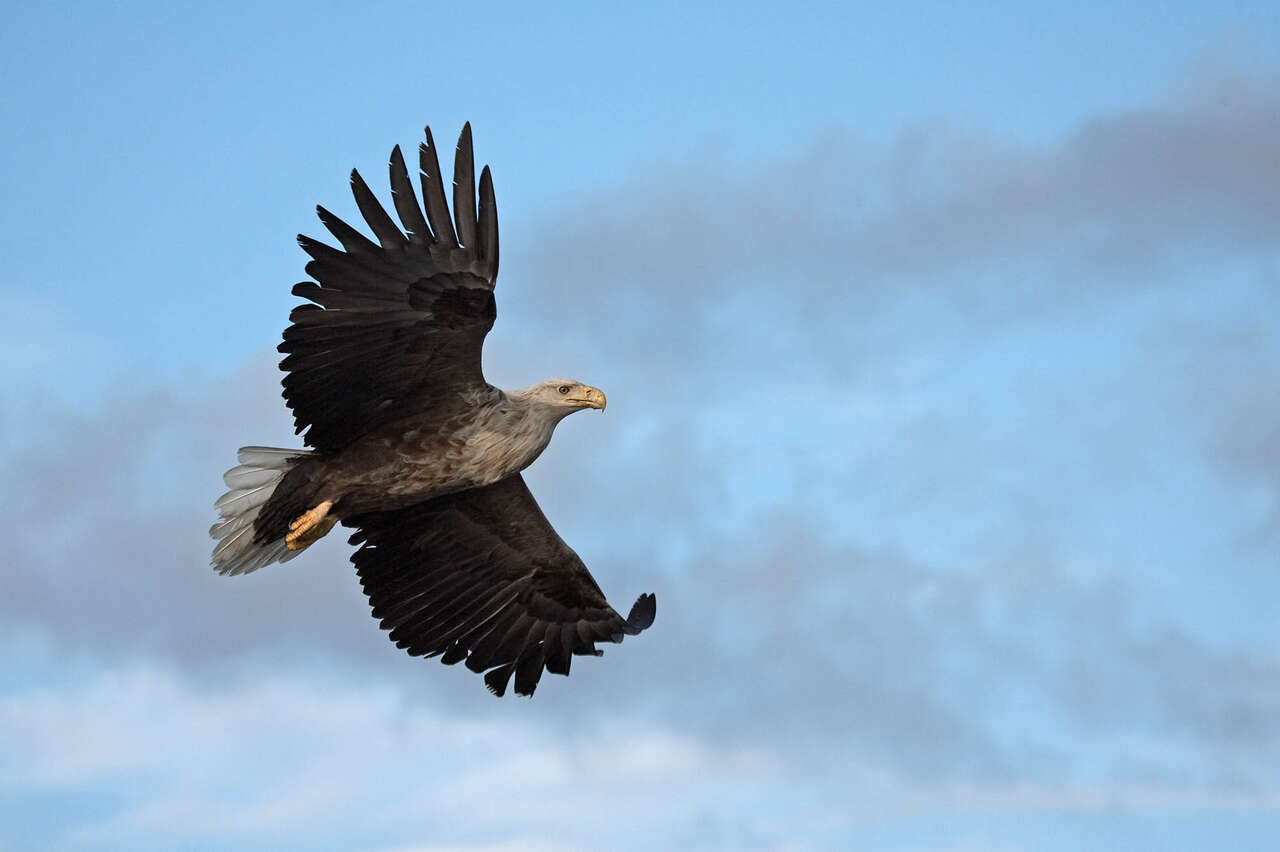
{"x":411,"y":447}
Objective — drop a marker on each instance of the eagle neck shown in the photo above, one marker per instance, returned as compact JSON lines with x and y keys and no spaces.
{"x":529,"y":425}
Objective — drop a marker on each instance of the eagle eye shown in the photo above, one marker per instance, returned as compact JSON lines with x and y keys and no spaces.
{"x":563,"y":389}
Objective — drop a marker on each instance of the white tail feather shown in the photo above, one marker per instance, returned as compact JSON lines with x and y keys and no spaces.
{"x":248,"y":476}
{"x":252,"y":483}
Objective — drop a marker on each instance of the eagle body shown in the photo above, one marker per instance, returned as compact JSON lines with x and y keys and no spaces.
{"x":412,"y":448}
{"x":492,"y":435}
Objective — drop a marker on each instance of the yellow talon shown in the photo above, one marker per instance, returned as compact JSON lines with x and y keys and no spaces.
{"x":310,"y":526}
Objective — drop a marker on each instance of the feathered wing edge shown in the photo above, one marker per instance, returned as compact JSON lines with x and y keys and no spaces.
{"x":379,"y":305}
{"x":553,"y":650}
{"x":467,"y":241}
{"x":481,"y":576}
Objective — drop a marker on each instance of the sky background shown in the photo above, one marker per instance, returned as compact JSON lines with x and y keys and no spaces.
{"x":942,"y":345}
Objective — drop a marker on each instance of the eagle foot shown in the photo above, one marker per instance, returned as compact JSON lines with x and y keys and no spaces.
{"x":310,"y":526}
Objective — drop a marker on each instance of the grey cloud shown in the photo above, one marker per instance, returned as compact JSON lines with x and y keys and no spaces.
{"x":831,"y":656}
{"x":110,"y":558}
{"x":1245,"y":440}
{"x":1226,"y":701}
{"x":108,"y":513}
{"x":1220,"y":378}
{"x":819,"y":240}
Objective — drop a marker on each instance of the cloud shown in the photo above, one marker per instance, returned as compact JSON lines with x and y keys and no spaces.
{"x":238,"y":765}
{"x":1217,"y":370}
{"x":772,"y":640}
{"x":844,"y":228}
{"x":164,"y":761}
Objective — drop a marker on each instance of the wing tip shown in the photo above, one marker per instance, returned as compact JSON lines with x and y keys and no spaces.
{"x":642,"y":614}
{"x":496,"y":679}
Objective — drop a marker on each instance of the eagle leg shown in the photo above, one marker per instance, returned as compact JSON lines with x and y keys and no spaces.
{"x":310,"y":526}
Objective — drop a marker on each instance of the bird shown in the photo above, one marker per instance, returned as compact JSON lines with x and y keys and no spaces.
{"x":407,"y":444}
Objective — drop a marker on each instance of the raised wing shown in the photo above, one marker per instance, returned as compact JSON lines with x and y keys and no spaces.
{"x":481,"y":576}
{"x":397,"y":325}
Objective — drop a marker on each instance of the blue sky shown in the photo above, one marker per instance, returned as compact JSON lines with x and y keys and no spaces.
{"x":942,"y":355}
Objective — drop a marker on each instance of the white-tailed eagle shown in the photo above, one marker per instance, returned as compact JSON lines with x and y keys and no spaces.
{"x":412,"y":447}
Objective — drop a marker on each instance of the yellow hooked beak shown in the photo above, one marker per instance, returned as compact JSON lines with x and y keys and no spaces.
{"x":590,"y":397}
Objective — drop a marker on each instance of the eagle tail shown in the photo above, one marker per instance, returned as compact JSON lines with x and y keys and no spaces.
{"x":251,"y":482}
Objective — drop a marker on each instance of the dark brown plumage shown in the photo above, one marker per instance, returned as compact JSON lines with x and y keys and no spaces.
{"x":412,"y":448}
